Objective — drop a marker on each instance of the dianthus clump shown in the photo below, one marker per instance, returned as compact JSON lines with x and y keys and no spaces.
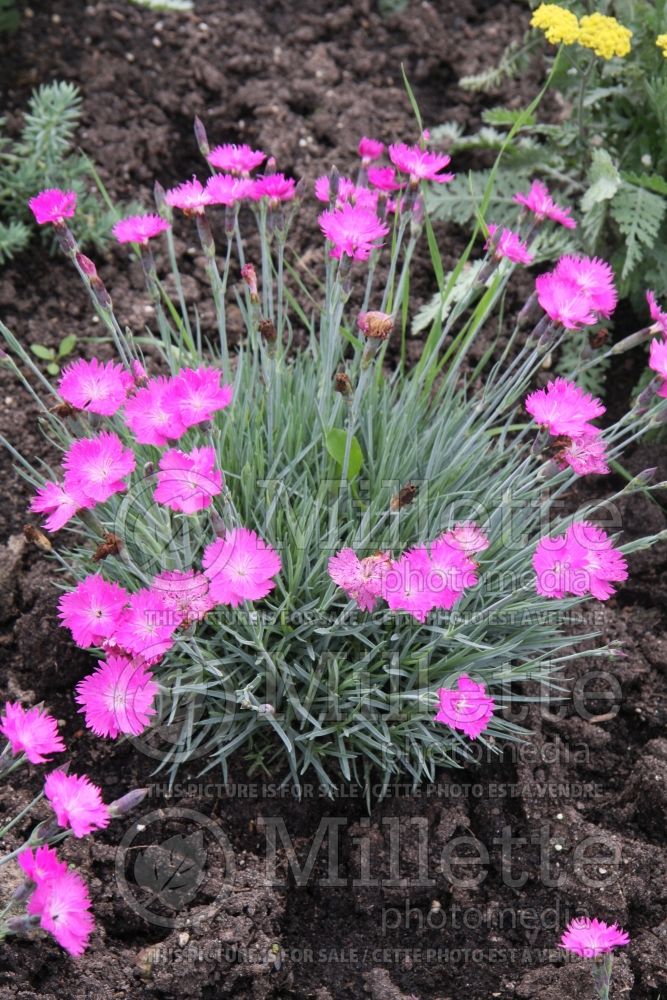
{"x":558,"y":24}
{"x":604,"y":35}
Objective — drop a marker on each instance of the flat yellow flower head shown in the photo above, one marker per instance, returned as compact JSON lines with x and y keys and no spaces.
{"x":558,"y":24}
{"x":661,"y":42}
{"x":604,"y":35}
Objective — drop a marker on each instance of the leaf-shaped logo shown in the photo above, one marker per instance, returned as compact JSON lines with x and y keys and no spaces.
{"x":172,"y":871}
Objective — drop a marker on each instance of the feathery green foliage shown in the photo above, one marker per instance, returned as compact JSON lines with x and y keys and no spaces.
{"x":44,"y":155}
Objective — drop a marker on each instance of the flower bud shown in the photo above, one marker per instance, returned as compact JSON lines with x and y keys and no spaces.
{"x":126,"y":803}
{"x":201,"y":137}
{"x":249,"y":275}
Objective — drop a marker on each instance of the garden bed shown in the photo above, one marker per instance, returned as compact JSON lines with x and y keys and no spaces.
{"x":305,"y":87}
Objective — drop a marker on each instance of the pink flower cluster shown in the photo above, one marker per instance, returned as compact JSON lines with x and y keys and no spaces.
{"x":541,"y":204}
{"x":420,"y":580}
{"x":60,"y":899}
{"x":565,"y":411}
{"x":578,"y":292}
{"x":193,"y":198}
{"x":353,"y":230}
{"x":136,"y":630}
{"x":592,"y":938}
{"x":162,"y":409}
{"x":31,"y":732}
{"x":467,"y":707}
{"x":580,"y":562}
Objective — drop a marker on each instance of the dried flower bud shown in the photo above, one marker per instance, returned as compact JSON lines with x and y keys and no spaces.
{"x":63,"y":410}
{"x":404,"y":497}
{"x":109,"y":547}
{"x":37,"y":537}
{"x":342,"y":384}
{"x":249,"y":275}
{"x":376,"y":325}
{"x":126,"y":803}
{"x":267,"y":330}
{"x":598,"y":338}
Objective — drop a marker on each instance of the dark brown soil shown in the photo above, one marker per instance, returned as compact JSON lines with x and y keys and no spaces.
{"x":586,"y":802}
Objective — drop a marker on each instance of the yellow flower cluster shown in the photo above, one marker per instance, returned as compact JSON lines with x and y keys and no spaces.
{"x":604,"y":35}
{"x":559,"y":25}
{"x":661,"y":42}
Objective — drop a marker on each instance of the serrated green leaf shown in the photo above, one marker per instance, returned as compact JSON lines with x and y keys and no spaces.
{"x":67,"y":345}
{"x":638,"y":213}
{"x":651,"y":182}
{"x":604,"y":180}
{"x":336,"y":442}
{"x":506,"y":116}
{"x":43,"y":353}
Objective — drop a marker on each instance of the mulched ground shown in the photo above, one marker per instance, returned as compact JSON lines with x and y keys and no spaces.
{"x":585,"y":805}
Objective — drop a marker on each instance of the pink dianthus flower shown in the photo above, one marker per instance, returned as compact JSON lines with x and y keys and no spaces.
{"x":592,"y":938}
{"x":585,"y":454}
{"x":361,"y":579}
{"x":658,"y":362}
{"x":186,"y":594}
{"x":224,"y":189}
{"x":467,"y":707}
{"x":276,"y":187}
{"x":235,"y":159}
{"x":40,"y":865}
{"x":581,"y":561}
{"x":420,"y":164}
{"x":541,"y":204}
{"x":594,"y":277}
{"x":53,"y":206}
{"x":188,"y":482}
{"x":152,"y":414}
{"x":93,"y":610}
{"x":658,"y":316}
{"x":77,"y":802}
{"x":405,"y":585}
{"x":506,"y":243}
{"x":468,"y":536}
{"x":198,"y":395}
{"x":96,"y":386}
{"x":62,"y":904}
{"x":139,"y":228}
{"x":451,"y":571}
{"x":190,"y":196}
{"x":30,"y":731}
{"x":370,"y":149}
{"x":354,"y":231}
{"x":563,"y":408}
{"x":147,"y":626}
{"x":344,"y":192}
{"x":564,"y":301}
{"x":118,"y":697}
{"x":61,"y":502}
{"x":384,"y":178}
{"x":97,"y":466}
{"x":240,"y":567}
